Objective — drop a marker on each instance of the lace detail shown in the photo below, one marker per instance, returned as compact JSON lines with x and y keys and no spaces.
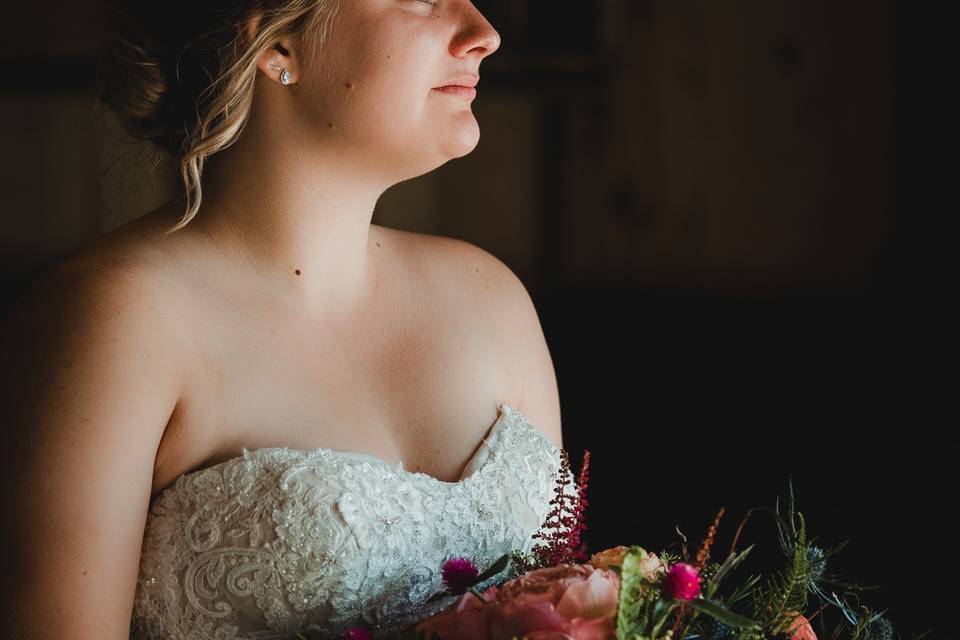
{"x":282,"y":540}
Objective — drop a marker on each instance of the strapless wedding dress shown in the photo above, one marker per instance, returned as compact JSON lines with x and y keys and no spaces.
{"x":280,"y":540}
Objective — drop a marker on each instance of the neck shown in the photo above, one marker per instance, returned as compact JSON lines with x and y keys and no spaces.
{"x":298,"y":224}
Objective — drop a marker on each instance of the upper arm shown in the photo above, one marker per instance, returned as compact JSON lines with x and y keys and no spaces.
{"x":516,"y":325}
{"x":88,"y":380}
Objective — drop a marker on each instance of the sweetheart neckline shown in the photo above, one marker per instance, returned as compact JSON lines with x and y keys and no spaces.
{"x":469,"y":470}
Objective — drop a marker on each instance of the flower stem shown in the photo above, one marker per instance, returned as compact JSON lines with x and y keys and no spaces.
{"x":478,"y":594}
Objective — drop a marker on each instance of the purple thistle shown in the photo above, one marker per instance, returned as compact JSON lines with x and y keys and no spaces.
{"x":459,"y":574}
{"x":357,"y":633}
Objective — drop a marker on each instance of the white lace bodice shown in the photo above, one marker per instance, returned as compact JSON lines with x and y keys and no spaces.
{"x":282,"y":540}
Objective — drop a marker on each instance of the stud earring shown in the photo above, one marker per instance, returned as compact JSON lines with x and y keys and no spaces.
{"x":284,"y":74}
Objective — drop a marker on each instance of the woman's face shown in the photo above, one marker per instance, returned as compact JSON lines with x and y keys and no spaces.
{"x":371,"y":94}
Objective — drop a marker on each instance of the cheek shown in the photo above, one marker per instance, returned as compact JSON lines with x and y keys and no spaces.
{"x":400,"y":68}
{"x":392,"y":89}
{"x":394,"y":69}
{"x":376,"y":88}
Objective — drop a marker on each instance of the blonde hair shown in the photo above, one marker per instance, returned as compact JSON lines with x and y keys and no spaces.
{"x":206,"y":107}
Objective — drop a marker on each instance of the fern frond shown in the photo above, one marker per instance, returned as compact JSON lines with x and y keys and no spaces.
{"x":787,"y":590}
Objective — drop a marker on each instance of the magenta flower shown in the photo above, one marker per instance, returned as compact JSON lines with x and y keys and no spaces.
{"x":682,"y":582}
{"x":357,"y":633}
{"x":459,"y":574}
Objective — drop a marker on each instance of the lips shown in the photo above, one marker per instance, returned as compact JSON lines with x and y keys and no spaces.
{"x":464,"y":80}
{"x":458,"y":90}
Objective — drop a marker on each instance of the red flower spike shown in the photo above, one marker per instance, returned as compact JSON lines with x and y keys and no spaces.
{"x":704,"y":554}
{"x":564,"y":547}
{"x":576,"y":544}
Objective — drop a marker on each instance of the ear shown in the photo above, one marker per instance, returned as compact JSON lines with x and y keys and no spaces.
{"x":275,"y":59}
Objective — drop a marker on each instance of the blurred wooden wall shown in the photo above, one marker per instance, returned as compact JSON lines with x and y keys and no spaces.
{"x":743,"y":144}
{"x":692,"y":144}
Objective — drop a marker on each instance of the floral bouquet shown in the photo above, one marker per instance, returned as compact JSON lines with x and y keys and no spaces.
{"x":629,"y":593}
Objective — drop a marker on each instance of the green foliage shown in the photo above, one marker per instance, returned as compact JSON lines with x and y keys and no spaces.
{"x":731,"y":563}
{"x":743,"y":590}
{"x":499,"y":565}
{"x":787,"y":589}
{"x":523,"y":563}
{"x":639,"y":602}
{"x":719,"y":612}
{"x":751,"y":633}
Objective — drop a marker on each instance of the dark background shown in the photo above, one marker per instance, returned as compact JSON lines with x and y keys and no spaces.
{"x":731,"y":218}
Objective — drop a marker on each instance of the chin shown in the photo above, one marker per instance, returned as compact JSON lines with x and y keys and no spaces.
{"x":462,"y":152}
{"x":449,"y":149}
{"x":462,"y":143}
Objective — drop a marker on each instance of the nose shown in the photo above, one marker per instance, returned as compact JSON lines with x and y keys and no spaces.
{"x":476,"y":36}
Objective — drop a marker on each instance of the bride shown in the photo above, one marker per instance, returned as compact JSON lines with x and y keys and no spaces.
{"x":251,"y":412}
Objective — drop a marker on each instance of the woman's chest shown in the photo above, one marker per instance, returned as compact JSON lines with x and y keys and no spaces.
{"x":419,"y":385}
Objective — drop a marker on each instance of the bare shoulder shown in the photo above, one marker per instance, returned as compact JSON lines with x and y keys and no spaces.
{"x":86,"y":280}
{"x":461,"y":265}
{"x":482,"y":283}
{"x":131,"y":263}
{"x":87,"y":296}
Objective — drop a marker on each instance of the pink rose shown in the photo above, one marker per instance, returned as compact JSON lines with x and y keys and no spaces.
{"x":612,"y":557}
{"x":651,"y":565}
{"x":571,"y":601}
{"x":566,"y":602}
{"x":466,"y":618}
